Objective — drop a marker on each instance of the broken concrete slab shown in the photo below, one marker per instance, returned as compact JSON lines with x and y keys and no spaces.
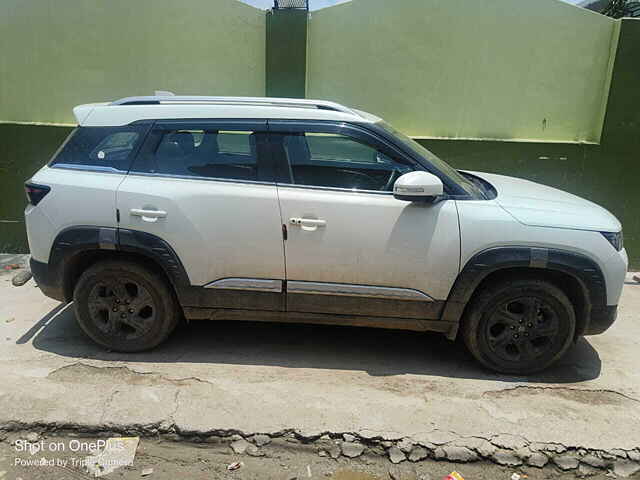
{"x":261,"y":440}
{"x":418,"y":453}
{"x":435,"y":437}
{"x":352,"y":449}
{"x":348,"y":437}
{"x":334,"y":451}
{"x":511,"y":442}
{"x":587,"y":471}
{"x":406,"y":444}
{"x":398,"y":472}
{"x":566,"y":462}
{"x":254,"y":451}
{"x":537,"y":459}
{"x":625,"y":468}
{"x":396,"y":455}
{"x":240,"y":446}
{"x":506,"y":457}
{"x":594,"y":461}
{"x":483,"y":447}
{"x":547,"y":447}
{"x":634,"y":455}
{"x":459,"y":454}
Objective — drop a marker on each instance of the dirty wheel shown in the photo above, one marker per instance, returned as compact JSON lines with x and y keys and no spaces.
{"x":519,"y":327}
{"x":124,"y":307}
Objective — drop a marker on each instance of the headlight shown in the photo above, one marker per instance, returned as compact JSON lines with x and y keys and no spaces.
{"x":615,"y":239}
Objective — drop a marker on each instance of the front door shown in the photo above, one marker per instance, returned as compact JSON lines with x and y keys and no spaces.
{"x":204,"y":188}
{"x":352,"y":248}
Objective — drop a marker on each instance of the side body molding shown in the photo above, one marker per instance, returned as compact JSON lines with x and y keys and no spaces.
{"x":341,"y":289}
{"x":580,"y":267}
{"x":247,"y":284}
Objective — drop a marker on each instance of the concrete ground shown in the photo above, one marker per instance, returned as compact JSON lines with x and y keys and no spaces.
{"x":216,"y":379}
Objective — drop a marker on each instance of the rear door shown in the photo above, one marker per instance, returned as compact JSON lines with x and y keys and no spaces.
{"x":83,"y":176}
{"x":207,"y":189}
{"x":352,"y":248}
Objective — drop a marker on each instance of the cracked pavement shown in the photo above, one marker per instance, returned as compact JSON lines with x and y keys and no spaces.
{"x":224,"y":378}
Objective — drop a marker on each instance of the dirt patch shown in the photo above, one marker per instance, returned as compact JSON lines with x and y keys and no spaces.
{"x":587,"y":397}
{"x":88,"y":374}
{"x":352,"y":475}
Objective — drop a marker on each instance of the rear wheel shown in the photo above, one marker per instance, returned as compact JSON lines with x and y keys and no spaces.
{"x":124,"y":306}
{"x":519,"y":327}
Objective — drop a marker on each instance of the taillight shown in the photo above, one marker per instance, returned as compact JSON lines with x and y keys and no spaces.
{"x":35,"y":193}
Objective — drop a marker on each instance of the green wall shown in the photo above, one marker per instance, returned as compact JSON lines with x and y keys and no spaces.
{"x":286,"y":51}
{"x":607,"y":174}
{"x":603,"y":175}
{"x":61,"y":53}
{"x":621,"y":132}
{"x":23,"y":150}
{"x":483,"y":69}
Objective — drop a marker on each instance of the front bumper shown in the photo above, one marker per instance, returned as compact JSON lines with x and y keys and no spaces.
{"x":601,"y":319}
{"x":49,"y":281}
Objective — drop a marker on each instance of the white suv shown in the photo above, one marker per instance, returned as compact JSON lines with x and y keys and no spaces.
{"x":163,"y":207}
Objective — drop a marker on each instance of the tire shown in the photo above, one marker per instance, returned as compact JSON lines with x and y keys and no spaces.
{"x":519,"y":327}
{"x":124,"y":306}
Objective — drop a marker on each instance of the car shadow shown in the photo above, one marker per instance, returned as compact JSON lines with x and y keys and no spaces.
{"x":378,"y":352}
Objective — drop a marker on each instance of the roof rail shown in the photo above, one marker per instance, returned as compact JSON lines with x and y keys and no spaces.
{"x":261,"y":101}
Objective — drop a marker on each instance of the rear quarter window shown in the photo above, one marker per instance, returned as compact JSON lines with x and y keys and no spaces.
{"x":102,"y":148}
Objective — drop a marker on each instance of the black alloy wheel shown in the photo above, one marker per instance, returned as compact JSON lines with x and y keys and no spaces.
{"x":519,"y":326}
{"x":125,"y":306}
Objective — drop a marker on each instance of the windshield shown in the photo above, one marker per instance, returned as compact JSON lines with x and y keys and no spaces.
{"x":464,"y":182}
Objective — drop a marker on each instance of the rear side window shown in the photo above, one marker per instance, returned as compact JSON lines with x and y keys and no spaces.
{"x":106,"y":148}
{"x":217,"y":154}
{"x":234,"y":142}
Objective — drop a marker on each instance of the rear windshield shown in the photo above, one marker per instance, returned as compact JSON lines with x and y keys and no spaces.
{"x":102,"y":148}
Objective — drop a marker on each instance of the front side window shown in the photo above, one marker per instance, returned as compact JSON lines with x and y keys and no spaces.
{"x":339,"y":161}
{"x":200,"y":153}
{"x":109,"y":148}
{"x":462,"y":181}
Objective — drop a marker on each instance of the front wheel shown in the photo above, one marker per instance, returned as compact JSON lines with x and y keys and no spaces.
{"x":519,"y":327}
{"x":124,"y":306}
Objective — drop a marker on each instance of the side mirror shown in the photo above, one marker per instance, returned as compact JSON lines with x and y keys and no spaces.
{"x":418,"y":187}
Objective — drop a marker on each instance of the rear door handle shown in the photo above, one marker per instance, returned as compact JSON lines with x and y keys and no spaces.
{"x":308,"y":223}
{"x":148,"y":215}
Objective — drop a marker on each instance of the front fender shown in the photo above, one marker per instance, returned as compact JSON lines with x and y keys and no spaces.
{"x":479,"y":267}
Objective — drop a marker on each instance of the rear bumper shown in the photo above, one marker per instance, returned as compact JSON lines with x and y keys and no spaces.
{"x":601,"y":319}
{"x":49,"y":282}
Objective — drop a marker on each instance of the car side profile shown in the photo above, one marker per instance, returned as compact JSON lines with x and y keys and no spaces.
{"x":264,"y":209}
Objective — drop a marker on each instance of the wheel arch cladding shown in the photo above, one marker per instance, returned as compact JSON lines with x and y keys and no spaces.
{"x":577,"y":275}
{"x":76,"y":248}
{"x":153,"y":247}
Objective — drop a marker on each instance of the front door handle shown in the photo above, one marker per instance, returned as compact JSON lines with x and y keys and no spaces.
{"x":308,"y":223}
{"x":148,"y":215}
